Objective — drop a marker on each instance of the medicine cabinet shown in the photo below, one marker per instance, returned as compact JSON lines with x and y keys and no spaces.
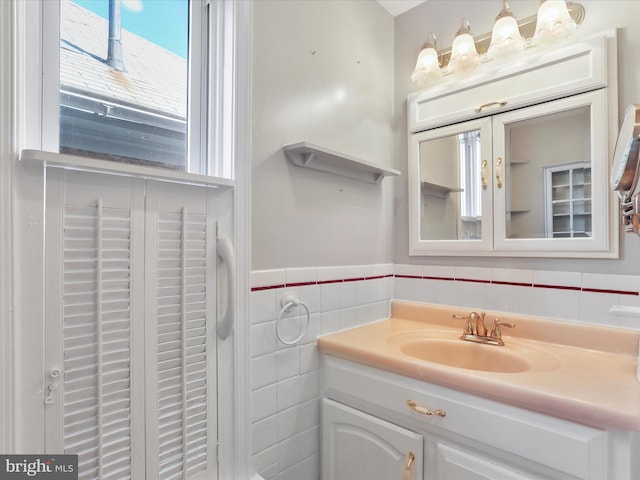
{"x":524,"y":174}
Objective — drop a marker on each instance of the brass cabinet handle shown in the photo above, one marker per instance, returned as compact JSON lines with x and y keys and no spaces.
{"x":483,"y":173}
{"x":407,"y":469}
{"x":501,"y":103}
{"x":499,"y":172}
{"x":425,"y":411}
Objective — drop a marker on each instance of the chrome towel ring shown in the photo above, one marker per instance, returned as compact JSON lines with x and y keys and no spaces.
{"x":287,"y":302}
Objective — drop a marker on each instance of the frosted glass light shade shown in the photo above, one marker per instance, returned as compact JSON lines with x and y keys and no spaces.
{"x":427,"y":67}
{"x":464,"y":56}
{"x":505,"y":38}
{"x":553,"y":23}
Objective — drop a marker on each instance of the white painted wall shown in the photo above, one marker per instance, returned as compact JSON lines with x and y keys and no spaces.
{"x":333,"y":241}
{"x":443,"y":18}
{"x":7,"y":332}
{"x":322,"y":74}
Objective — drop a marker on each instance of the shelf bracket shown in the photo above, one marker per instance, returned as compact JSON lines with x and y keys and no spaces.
{"x":307,"y":158}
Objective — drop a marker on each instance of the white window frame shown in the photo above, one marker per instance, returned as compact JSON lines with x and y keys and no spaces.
{"x":211,"y":90}
{"x":227,"y":143}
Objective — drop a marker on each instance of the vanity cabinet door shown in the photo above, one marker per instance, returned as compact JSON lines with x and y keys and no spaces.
{"x":453,"y":463}
{"x":358,"y":446}
{"x":551,"y":169}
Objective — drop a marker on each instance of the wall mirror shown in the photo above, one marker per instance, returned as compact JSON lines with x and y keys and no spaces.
{"x":547,"y":170}
{"x":453,"y":172}
{"x":515,"y":161}
{"x":529,"y":182}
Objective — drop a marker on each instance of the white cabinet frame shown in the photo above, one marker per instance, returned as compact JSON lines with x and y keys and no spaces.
{"x":600,"y":244}
{"x":484,"y":245}
{"x":582,"y":73}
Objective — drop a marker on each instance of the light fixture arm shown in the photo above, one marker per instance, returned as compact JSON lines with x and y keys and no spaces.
{"x":431,"y":42}
{"x":527,"y":29}
{"x":506,"y":10}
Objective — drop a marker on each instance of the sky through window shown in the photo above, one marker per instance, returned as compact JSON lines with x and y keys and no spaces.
{"x":163,"y":22}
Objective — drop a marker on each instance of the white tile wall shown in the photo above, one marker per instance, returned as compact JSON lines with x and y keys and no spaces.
{"x":570,"y":296}
{"x":286,"y":379}
{"x":286,"y":383}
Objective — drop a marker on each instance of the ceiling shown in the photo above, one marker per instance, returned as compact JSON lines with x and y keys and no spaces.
{"x":396,"y":7}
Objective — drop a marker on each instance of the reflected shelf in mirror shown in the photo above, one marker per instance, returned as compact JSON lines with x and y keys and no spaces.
{"x":440,"y":191}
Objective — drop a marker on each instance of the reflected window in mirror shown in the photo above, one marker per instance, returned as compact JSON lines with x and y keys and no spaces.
{"x":470,"y":178}
{"x":451,"y":186}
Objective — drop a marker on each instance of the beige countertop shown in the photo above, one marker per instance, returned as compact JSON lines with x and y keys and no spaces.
{"x":583,"y":373}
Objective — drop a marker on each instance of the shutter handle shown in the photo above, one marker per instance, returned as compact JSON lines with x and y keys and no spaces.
{"x":225,"y":251}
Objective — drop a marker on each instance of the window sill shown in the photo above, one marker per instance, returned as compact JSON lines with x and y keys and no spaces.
{"x":74,"y":162}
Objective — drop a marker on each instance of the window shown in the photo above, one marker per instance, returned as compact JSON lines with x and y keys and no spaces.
{"x":470,"y":174}
{"x":123,"y":80}
{"x":470,"y":181}
{"x":135,"y":81}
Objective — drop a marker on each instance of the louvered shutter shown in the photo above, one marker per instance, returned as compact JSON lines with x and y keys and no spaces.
{"x":180,"y":242}
{"x":130,"y":292}
{"x":89,"y":324}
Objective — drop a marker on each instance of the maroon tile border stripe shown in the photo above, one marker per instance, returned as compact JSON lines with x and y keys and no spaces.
{"x":448,"y":279}
{"x":320,"y":282}
{"x":513,"y":284}
{"x":557,"y":287}
{"x":471,"y":280}
{"x":614,"y":292}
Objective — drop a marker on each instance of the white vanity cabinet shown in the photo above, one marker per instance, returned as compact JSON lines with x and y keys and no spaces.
{"x":369,"y":429}
{"x":479,"y":150}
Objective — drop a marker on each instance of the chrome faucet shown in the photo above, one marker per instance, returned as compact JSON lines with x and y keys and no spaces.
{"x":476,"y":331}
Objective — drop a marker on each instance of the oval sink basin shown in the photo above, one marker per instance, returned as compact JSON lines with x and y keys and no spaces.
{"x":462,"y":354}
{"x":446,"y":348}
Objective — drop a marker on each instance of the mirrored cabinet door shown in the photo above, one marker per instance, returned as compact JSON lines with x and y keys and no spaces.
{"x":554,"y":161}
{"x":530,"y":182}
{"x":450,"y":187}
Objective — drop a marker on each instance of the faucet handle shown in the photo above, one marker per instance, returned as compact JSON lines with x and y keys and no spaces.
{"x":496,"y":332}
{"x":468,"y":328}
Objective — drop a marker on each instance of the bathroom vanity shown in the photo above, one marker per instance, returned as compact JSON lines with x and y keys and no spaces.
{"x":558,"y":401}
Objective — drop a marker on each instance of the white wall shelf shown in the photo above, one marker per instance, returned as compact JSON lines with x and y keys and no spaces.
{"x":311,"y":156}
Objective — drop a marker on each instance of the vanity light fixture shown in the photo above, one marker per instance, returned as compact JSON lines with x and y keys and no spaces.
{"x":553,"y":23}
{"x":464,"y":56}
{"x":555,"y":20}
{"x":505,"y":38}
{"x":427,"y":66}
